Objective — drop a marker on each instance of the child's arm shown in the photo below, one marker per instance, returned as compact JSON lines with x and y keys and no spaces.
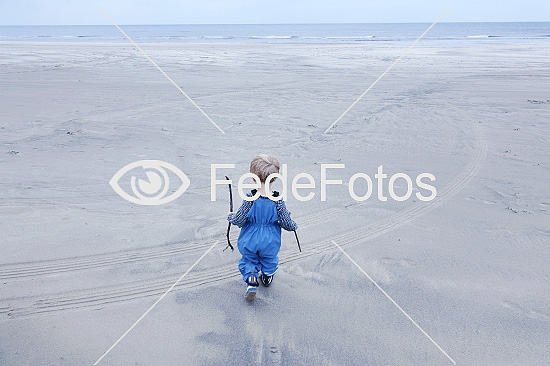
{"x":241,"y":216}
{"x":285,"y":221}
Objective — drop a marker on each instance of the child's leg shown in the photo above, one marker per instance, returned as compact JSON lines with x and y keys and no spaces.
{"x":269,"y":264}
{"x":249,"y":265}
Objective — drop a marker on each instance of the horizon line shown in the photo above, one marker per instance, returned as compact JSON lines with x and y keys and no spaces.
{"x":307,"y":23}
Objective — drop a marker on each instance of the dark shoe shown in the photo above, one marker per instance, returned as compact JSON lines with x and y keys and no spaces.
{"x":252,"y":281}
{"x":266,"y":280}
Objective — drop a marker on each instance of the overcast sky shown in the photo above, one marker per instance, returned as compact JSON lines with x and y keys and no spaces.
{"x":37,"y":12}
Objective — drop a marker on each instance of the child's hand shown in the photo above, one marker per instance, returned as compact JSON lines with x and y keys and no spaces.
{"x":229,"y":213}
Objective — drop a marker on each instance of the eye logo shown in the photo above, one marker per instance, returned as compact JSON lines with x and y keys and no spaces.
{"x":151,"y":191}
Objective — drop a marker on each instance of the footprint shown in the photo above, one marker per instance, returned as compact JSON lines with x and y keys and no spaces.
{"x":274,"y":356}
{"x":388,"y":260}
{"x":299,"y":271}
{"x":424,"y":228}
{"x":498,"y":229}
{"x":397,"y":262}
{"x":407,"y":263}
{"x":530,"y":313}
{"x":486,"y":202}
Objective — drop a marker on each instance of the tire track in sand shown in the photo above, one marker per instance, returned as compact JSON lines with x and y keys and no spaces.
{"x":100,"y":297}
{"x":21,"y":270}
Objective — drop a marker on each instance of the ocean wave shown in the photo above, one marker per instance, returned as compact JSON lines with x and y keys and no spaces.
{"x":488,"y":36}
{"x":322,"y":34}
{"x":217,"y":37}
{"x":272,"y":37}
{"x":348,"y":37}
{"x":338,"y":37}
{"x":173,"y":37}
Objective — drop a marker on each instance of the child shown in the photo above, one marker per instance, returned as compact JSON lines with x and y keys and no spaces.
{"x":261,"y":221}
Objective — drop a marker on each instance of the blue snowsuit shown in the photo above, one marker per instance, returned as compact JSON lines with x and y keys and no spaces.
{"x":259,"y":242}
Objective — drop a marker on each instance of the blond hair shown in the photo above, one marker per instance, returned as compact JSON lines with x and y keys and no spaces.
{"x":263,"y":165}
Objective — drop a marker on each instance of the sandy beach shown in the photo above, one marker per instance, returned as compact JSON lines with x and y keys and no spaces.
{"x":80,"y":265}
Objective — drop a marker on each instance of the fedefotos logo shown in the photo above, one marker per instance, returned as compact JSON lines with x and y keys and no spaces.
{"x":307,"y":181}
{"x":152,"y":191}
{"x":154,"y":185}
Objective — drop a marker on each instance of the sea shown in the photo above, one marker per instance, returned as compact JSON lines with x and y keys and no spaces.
{"x":527,"y":32}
